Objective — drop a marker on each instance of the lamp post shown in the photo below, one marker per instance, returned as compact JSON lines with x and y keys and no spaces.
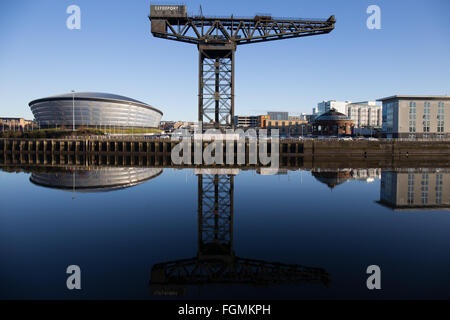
{"x":73,"y":110}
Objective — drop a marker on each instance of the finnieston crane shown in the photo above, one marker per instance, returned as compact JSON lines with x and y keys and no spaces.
{"x":217,"y":39}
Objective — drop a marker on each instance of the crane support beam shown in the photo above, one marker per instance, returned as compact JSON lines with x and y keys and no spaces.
{"x":216,"y":85}
{"x":201,"y":30}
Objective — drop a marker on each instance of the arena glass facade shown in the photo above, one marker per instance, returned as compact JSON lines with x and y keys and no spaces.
{"x":94,"y":109}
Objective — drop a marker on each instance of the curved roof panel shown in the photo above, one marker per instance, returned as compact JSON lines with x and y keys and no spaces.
{"x":100,"y":96}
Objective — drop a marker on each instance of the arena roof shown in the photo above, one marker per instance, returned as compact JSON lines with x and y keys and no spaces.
{"x":97,"y":96}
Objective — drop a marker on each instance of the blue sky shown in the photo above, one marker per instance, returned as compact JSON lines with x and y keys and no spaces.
{"x":115,"y":52}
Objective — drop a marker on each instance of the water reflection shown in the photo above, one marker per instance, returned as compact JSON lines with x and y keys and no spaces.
{"x":99,"y":179}
{"x":216,"y":262}
{"x":415,"y":189}
{"x":344,"y":245}
{"x":335,"y":177}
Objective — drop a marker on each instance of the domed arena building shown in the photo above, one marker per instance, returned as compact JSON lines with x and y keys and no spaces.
{"x":95,"y":110}
{"x":333,"y":123}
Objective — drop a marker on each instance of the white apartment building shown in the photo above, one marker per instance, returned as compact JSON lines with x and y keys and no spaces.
{"x":339,"y":106}
{"x":365,"y":114}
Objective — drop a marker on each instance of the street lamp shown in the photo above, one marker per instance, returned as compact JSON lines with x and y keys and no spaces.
{"x":73,"y":110}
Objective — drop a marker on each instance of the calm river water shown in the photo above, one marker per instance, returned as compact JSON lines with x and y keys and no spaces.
{"x":152,"y":233}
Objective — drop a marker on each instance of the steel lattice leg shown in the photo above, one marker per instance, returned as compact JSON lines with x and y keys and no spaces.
{"x":216,"y":88}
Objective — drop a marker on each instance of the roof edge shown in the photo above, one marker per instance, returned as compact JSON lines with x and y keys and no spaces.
{"x":55,"y":98}
{"x":425,"y":97}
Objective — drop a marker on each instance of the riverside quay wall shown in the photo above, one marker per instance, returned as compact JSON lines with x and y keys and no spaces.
{"x":159,"y":150}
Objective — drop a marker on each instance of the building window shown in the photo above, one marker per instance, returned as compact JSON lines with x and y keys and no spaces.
{"x":439,"y":178}
{"x":412,"y":117}
{"x":388,"y":116}
{"x":440,"y":117}
{"x":411,"y":188}
{"x":426,"y":117}
{"x":424,"y":188}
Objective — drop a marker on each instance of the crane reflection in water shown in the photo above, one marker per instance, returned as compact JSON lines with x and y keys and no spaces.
{"x":216,"y":261}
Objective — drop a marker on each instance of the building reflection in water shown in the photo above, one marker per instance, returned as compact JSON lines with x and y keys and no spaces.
{"x":100,"y":179}
{"x":415,"y":189}
{"x":216,"y":262}
{"x":335,"y":177}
